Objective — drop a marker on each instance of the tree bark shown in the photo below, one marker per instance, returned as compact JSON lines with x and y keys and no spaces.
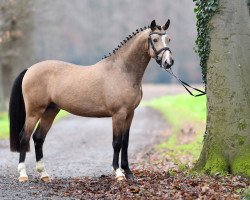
{"x":15,"y":45}
{"x":227,"y":142}
{"x":2,"y":101}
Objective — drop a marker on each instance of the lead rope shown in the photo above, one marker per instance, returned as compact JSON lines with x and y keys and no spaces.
{"x":185,"y":85}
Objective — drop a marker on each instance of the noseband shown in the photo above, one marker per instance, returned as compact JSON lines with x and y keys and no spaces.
{"x":150,"y":42}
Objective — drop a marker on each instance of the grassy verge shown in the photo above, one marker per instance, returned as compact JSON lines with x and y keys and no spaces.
{"x":61,"y":114}
{"x":4,"y":123}
{"x":186,"y":116}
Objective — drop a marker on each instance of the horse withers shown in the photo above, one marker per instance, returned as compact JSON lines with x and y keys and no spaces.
{"x":109,"y":88}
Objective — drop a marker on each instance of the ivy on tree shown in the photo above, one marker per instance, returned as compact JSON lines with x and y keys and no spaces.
{"x":204,"y":10}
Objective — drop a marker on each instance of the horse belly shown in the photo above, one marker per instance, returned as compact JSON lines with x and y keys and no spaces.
{"x":83,"y":104}
{"x":88,"y":111}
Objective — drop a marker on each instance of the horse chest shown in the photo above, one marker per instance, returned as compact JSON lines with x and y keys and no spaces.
{"x":128,"y":99}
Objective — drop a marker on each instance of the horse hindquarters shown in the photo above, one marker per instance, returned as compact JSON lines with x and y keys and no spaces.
{"x":22,"y":123}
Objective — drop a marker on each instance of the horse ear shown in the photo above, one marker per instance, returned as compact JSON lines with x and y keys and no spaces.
{"x":153,"y":25}
{"x":165,"y":27}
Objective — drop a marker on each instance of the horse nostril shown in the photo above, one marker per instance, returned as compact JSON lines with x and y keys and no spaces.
{"x":172,"y":62}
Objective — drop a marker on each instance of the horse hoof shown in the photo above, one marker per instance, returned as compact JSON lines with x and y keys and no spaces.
{"x":120,"y":178}
{"x":46,"y":179}
{"x":23,"y":179}
{"x":130,"y":176}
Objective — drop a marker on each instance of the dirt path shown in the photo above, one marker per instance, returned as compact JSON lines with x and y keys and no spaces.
{"x":79,"y":146}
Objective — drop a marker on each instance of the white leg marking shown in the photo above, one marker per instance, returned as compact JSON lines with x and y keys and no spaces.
{"x":22,"y":171}
{"x":40,"y":168}
{"x":119,"y":175}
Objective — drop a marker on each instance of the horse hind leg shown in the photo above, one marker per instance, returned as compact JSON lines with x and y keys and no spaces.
{"x":39,"y":138}
{"x":30,"y":123}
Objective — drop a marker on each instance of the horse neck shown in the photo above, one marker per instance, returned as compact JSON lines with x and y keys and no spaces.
{"x":133,"y":57}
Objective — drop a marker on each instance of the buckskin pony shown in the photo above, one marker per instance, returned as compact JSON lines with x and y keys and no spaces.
{"x":109,"y":88}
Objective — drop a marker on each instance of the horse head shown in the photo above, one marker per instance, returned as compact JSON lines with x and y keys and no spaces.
{"x":158,"y":45}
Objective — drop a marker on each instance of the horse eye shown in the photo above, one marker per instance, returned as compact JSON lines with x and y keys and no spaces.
{"x":155,"y":40}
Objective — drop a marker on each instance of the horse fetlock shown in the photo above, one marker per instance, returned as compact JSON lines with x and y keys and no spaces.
{"x":40,"y":168}
{"x":119,"y":175}
{"x":22,"y":171}
{"x":128,"y":173}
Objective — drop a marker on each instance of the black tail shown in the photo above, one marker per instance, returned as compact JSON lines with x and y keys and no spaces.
{"x":16,"y":112}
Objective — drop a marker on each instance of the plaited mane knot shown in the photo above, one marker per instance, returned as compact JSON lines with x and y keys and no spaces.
{"x":126,"y":40}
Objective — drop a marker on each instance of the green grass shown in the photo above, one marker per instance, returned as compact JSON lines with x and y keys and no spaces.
{"x":61,"y":114}
{"x":179,"y":108}
{"x":4,"y":123}
{"x":179,"y":111}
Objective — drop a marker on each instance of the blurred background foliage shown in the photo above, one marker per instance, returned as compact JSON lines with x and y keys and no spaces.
{"x":82,"y":31}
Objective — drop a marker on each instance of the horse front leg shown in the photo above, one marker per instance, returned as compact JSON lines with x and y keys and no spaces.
{"x":125,"y":142}
{"x":118,"y":129}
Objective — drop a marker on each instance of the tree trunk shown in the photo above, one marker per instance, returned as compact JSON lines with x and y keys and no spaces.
{"x":2,"y":101}
{"x":15,"y":41}
{"x":227,"y":142}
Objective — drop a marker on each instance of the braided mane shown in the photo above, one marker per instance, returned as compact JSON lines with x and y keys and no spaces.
{"x":126,"y":40}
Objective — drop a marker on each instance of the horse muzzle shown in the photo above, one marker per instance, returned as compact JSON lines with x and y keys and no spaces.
{"x":167,"y":65}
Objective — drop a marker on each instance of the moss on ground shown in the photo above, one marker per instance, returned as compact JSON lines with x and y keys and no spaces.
{"x":241,"y":164}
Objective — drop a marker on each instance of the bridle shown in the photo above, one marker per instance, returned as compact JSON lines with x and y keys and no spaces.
{"x":150,"y":42}
{"x":169,"y":70}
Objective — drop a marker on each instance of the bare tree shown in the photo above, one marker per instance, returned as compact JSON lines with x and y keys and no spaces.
{"x":2,"y":104}
{"x":15,"y":32}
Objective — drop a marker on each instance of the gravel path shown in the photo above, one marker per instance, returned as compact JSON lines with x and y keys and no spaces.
{"x":77,"y":146}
